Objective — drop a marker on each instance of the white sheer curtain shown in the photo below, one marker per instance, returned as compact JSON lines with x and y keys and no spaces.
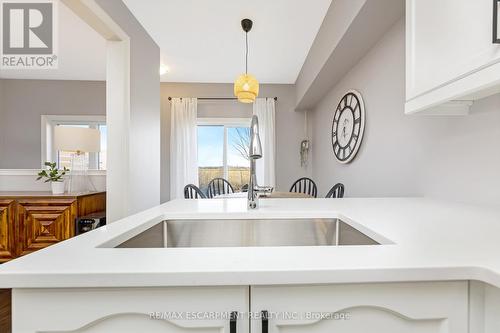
{"x":183,"y":145}
{"x":264,"y":109}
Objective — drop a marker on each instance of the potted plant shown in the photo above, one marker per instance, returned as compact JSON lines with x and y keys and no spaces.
{"x":54,"y":176}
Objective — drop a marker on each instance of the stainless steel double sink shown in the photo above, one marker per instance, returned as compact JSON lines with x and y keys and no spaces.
{"x":247,"y":233}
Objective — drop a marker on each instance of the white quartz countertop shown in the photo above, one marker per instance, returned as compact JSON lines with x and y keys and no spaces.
{"x":426,"y":240}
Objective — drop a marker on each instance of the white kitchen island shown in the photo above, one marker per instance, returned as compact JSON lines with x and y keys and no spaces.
{"x":436,"y":268}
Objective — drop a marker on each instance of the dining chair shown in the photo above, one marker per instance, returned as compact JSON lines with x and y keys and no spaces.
{"x":193,"y":192}
{"x":305,"y":185}
{"x":218,"y":186}
{"x":337,"y":191}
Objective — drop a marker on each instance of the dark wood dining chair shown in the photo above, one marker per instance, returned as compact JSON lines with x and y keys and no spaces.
{"x":218,"y":186}
{"x":193,"y":192}
{"x":305,"y":185}
{"x":337,"y":191}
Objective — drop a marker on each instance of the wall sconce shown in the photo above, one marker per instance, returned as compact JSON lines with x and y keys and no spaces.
{"x":496,"y":34}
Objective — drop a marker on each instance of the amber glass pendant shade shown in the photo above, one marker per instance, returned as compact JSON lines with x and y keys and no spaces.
{"x":246,"y":88}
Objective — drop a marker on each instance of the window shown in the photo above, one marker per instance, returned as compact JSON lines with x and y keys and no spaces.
{"x":97,"y":161}
{"x":223,"y":151}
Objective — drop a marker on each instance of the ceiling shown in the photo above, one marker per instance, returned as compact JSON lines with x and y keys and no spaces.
{"x":202,"y":41}
{"x":81,"y":53}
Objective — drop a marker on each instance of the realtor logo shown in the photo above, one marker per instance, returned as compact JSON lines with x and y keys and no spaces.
{"x":28,"y":35}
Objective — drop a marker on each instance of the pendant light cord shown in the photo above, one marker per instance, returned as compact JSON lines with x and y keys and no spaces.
{"x":246,"y":54}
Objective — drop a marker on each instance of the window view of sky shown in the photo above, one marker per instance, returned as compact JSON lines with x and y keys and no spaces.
{"x":211,"y":146}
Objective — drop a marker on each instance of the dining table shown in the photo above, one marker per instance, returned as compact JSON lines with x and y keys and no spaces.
{"x":273,"y":195}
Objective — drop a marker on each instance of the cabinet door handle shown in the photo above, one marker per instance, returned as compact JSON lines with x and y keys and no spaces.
{"x":265,"y":321}
{"x":232,"y":321}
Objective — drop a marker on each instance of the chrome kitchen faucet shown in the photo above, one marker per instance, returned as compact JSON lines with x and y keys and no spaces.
{"x":255,"y":152}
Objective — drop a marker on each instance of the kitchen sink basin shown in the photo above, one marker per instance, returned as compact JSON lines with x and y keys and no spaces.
{"x":244,"y":233}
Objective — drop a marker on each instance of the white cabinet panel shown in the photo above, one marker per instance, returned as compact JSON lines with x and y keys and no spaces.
{"x":130,"y":310}
{"x":447,"y":41}
{"x":437,"y":307}
{"x":484,"y":308}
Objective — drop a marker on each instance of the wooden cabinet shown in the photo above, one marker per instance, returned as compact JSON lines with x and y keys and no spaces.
{"x":423,"y":307}
{"x":450,"y":57}
{"x":7,"y":230}
{"x":30,"y":221}
{"x":43,"y":222}
{"x":5,"y":311}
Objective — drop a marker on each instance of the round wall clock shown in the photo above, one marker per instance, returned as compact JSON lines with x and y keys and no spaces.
{"x":348,"y":126}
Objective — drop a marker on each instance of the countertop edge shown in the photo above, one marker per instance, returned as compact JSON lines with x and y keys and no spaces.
{"x":232,"y":278}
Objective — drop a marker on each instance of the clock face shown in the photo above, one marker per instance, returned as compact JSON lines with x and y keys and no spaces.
{"x":348,"y":126}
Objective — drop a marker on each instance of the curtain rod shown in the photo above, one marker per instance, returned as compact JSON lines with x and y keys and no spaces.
{"x":218,"y":98}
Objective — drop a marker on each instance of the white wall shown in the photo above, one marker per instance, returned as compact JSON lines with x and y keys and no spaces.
{"x":463,"y":160}
{"x":453,"y":158}
{"x":391,"y":153}
{"x":135,"y":184}
{"x":25,"y":180}
{"x":1,"y":115}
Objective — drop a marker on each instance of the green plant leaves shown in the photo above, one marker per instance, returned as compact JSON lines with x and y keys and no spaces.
{"x":52,"y":173}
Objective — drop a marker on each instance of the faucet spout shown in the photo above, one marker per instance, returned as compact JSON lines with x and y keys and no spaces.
{"x":255,"y":152}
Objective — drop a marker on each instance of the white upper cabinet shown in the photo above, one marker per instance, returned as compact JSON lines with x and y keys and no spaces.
{"x":451,"y":59}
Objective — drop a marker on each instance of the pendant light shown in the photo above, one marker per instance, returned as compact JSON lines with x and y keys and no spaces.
{"x":246,"y":86}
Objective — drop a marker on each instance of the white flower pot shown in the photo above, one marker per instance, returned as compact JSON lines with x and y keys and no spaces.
{"x":57,"y":187}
